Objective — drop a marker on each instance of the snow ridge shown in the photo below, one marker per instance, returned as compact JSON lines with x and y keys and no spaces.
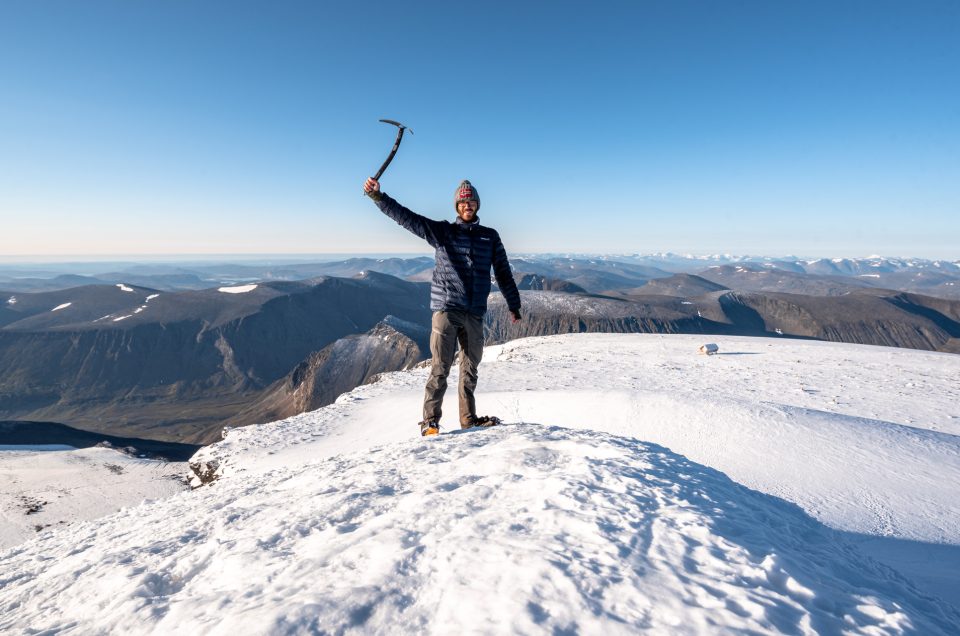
{"x":779,"y":487}
{"x":562,"y":530}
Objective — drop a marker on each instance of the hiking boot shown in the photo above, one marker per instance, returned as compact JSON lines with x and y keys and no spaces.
{"x":429,"y":428}
{"x":480,"y":422}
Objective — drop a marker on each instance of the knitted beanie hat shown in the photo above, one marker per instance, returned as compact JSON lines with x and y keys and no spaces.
{"x":466,"y":192}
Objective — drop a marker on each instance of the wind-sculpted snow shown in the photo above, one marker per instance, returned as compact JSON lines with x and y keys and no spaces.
{"x":777,"y":487}
{"x":865,"y":439}
{"x":522,"y":529}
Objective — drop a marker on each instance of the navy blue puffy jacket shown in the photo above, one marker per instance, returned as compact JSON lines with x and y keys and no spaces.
{"x":465,"y":252}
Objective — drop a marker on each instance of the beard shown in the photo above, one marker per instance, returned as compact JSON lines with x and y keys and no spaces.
{"x":467,"y":215}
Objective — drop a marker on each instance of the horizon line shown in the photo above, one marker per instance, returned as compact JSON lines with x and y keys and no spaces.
{"x":38,"y":259}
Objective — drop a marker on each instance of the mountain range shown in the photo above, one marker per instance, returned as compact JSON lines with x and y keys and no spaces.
{"x":175,"y":366}
{"x":592,"y":273}
{"x":178,"y":366}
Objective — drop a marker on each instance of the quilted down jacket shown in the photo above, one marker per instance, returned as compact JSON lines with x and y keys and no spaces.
{"x":465,"y":252}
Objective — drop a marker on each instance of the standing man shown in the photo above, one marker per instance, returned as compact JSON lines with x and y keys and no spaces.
{"x":465,"y":252}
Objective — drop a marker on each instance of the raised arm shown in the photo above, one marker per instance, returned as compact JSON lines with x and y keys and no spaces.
{"x":425,"y":228}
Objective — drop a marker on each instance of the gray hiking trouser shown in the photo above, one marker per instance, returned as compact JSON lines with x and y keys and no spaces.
{"x":449,"y":327}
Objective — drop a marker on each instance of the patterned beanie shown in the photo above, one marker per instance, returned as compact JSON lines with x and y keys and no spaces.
{"x":466,"y":192}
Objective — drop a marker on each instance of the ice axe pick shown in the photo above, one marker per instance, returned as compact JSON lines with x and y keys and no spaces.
{"x":396,"y":145}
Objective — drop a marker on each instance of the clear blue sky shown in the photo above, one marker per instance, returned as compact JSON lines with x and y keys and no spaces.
{"x":760,"y":127}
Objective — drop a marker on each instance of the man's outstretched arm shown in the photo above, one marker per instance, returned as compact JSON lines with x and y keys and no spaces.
{"x":423,"y":227}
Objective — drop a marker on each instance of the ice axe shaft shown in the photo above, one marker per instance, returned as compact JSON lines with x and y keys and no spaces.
{"x":396,"y":145}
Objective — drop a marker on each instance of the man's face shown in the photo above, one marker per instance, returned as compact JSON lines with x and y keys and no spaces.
{"x":467,"y":211}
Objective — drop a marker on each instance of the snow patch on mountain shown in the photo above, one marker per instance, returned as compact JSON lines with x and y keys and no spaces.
{"x":562,"y":303}
{"x":12,"y":300}
{"x":241,"y":289}
{"x":124,"y":287}
{"x":59,"y":307}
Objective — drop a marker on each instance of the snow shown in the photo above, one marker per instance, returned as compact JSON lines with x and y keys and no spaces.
{"x":124,"y":287}
{"x":562,"y":303}
{"x":12,"y":300}
{"x":63,"y":306}
{"x":151,"y":297}
{"x":122,"y":318}
{"x":780,"y":486}
{"x":68,"y":484}
{"x":242,"y":289}
{"x":868,"y":275}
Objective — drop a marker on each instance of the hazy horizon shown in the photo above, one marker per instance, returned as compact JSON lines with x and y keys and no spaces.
{"x":12,"y":263}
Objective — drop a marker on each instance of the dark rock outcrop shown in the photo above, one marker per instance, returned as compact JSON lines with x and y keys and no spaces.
{"x":337,"y":368}
{"x":549,"y":313}
{"x":873,"y":317}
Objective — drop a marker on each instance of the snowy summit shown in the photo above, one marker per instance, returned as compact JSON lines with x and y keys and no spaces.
{"x":775,"y":487}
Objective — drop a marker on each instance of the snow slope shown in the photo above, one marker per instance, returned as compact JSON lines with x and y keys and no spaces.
{"x":781,"y":486}
{"x":44,"y":486}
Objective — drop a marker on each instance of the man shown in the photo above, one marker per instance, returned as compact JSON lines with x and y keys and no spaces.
{"x":465,"y":252}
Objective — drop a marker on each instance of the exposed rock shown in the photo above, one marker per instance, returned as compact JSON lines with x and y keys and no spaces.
{"x":869,"y":317}
{"x":338,"y":368}
{"x":205,"y":472}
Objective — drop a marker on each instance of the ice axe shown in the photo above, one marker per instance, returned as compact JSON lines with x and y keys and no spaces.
{"x":396,"y":145}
